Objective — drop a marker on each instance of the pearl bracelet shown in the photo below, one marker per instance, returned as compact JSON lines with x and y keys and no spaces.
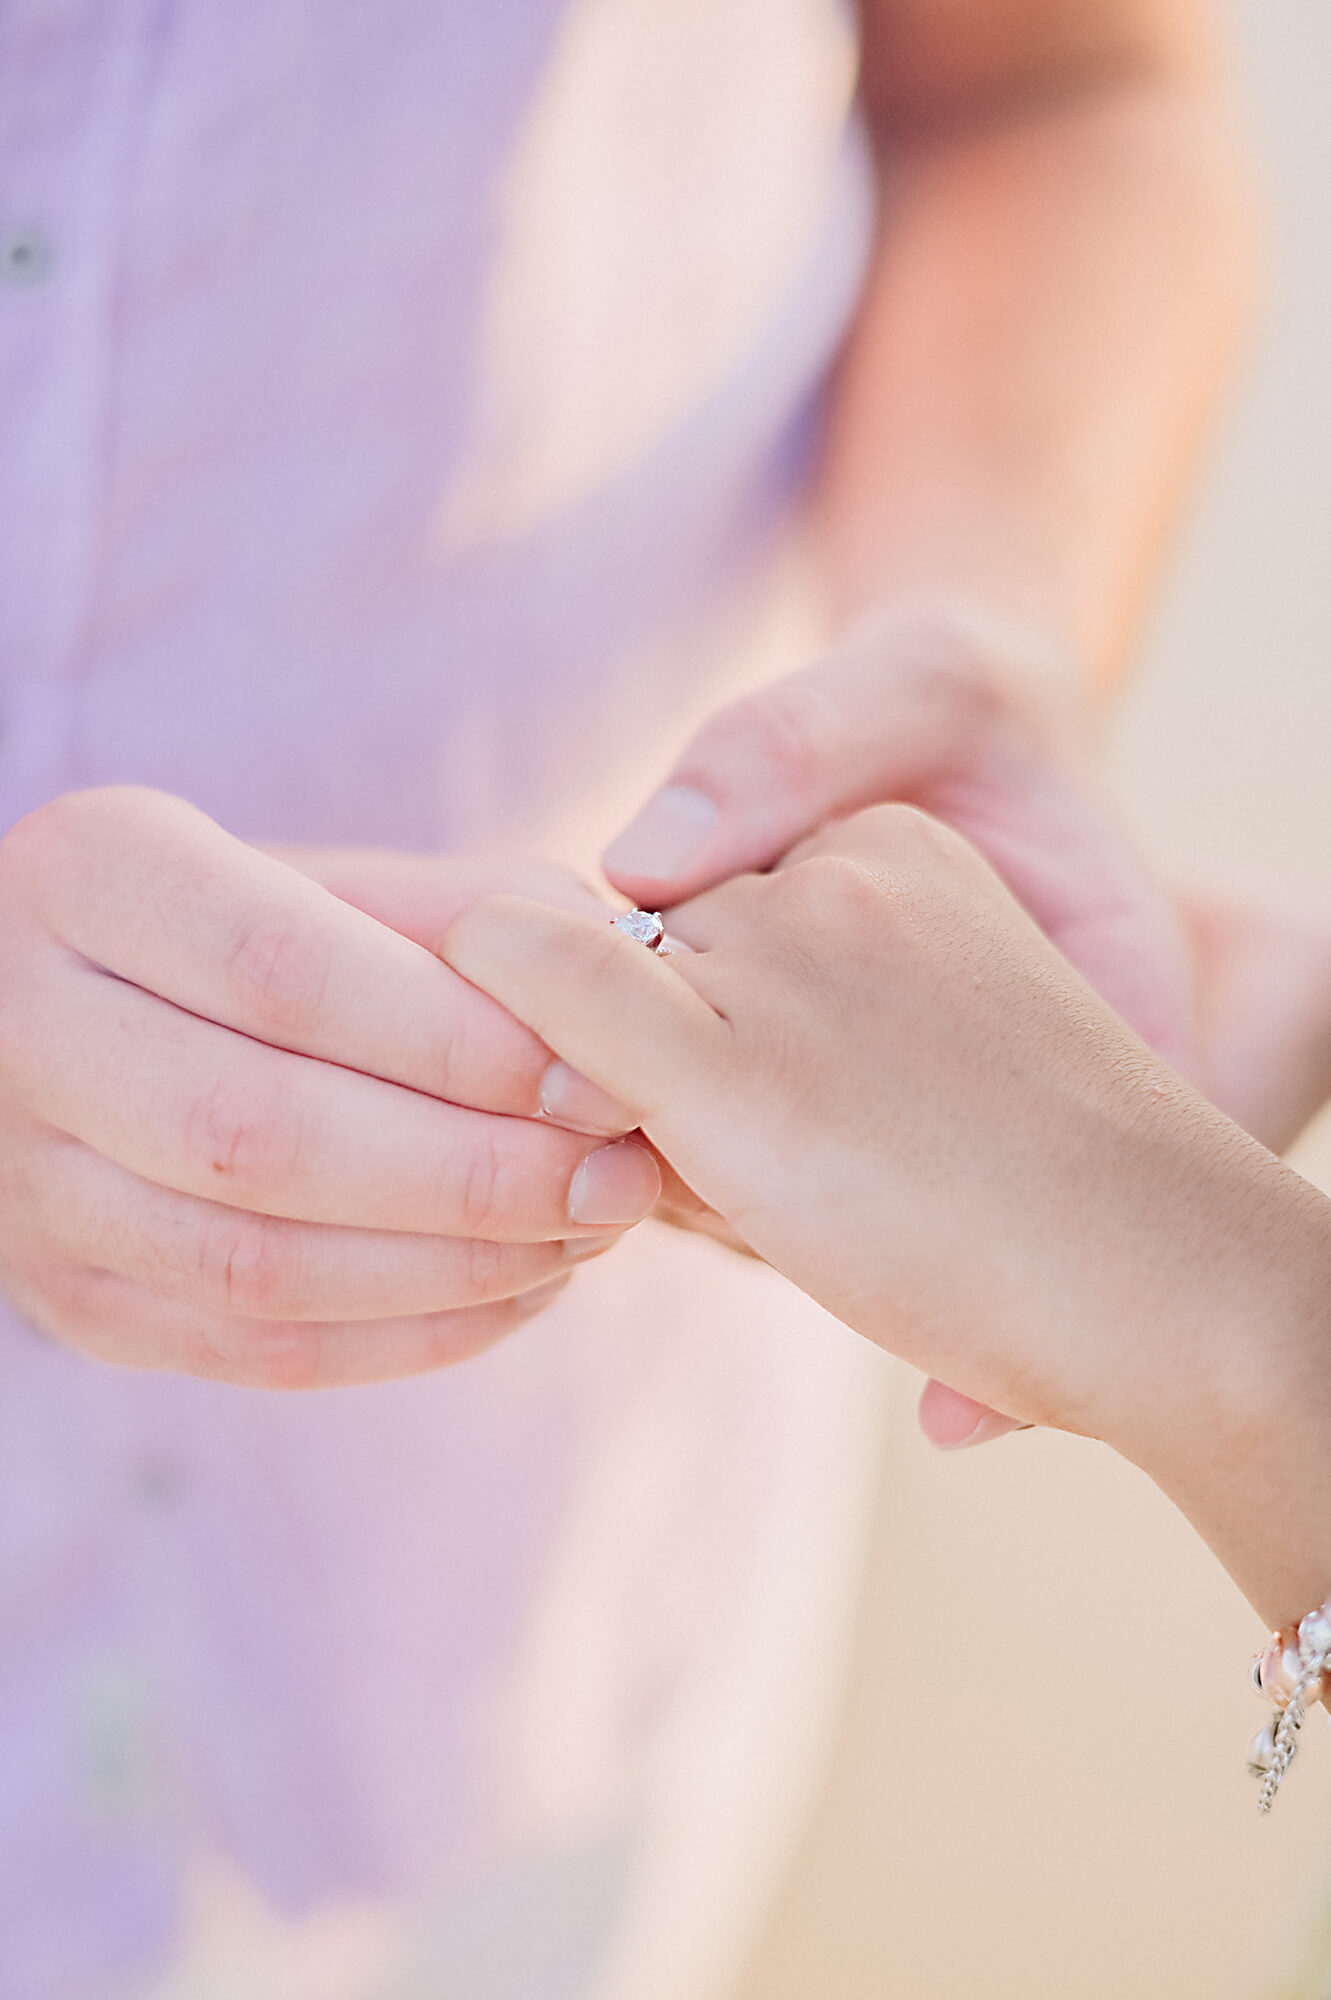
{"x":1294,"y":1670}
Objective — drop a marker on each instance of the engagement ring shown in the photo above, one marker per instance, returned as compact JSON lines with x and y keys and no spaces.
{"x":645,"y":927}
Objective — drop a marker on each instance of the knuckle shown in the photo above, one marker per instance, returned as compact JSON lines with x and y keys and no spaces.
{"x":783,"y":734}
{"x":49,"y":875}
{"x":470,"y":1054}
{"x":949,"y":655}
{"x":459,"y":1336}
{"x":239,"y":1142}
{"x":831,"y":892}
{"x":478,"y":1189}
{"x":67,"y":1299}
{"x":485,"y":1270}
{"x":896,"y":853}
{"x":279,"y":970}
{"x":247,"y":1266}
{"x":844,"y":909}
{"x":56,"y":834}
{"x":36,"y":846}
{"x":76,"y":1292}
{"x":910,"y":837}
{"x":258,"y":1355}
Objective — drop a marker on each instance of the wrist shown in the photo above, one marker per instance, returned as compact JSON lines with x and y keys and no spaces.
{"x":1236,"y":1424}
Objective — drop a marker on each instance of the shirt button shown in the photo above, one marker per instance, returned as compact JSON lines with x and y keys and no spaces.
{"x":25,"y":256}
{"x":160,"y":1480}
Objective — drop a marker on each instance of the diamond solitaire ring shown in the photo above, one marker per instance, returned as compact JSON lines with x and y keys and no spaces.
{"x":645,"y":927}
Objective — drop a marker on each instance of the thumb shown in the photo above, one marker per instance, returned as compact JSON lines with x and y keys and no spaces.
{"x":954,"y":1422}
{"x":612,"y":1010}
{"x":773,"y":767}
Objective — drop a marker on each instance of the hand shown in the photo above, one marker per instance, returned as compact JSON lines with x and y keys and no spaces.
{"x":245,"y":1128}
{"x":1263,"y":981}
{"x":971,"y":722}
{"x":883,"y":1076}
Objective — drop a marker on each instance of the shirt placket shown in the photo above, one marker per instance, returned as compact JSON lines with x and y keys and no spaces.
{"x":75,"y":76}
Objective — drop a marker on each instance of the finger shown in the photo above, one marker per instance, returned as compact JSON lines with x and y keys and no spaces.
{"x":1075,"y":876}
{"x":954,"y":1422}
{"x":195,"y":1107}
{"x":768,"y":769}
{"x":620,"y":1015}
{"x":1264,"y":1013}
{"x":681,"y":1208}
{"x":935,"y":723}
{"x":231,"y":1261}
{"x":150,"y":889}
{"x":420,"y":894}
{"x":116,"y":1321}
{"x":1070,"y":874}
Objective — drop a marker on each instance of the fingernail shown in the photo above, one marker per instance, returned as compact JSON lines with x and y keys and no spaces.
{"x":986,"y":1429}
{"x":578,"y":1248}
{"x":666,"y":837}
{"x":572,"y":1099}
{"x":615,"y":1186}
{"x":527,"y":1304}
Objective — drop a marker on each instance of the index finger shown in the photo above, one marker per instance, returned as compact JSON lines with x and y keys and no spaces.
{"x":627,"y":1019}
{"x":150,"y":889}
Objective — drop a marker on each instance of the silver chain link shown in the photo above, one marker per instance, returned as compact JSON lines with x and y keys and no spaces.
{"x":1314,"y":1644}
{"x":1284,"y":1748}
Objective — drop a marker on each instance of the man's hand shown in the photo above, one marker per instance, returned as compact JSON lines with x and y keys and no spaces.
{"x":1263,"y":981}
{"x":247,"y":1131}
{"x":936,"y":709}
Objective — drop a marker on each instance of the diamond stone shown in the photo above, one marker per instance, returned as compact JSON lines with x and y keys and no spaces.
{"x":644,"y":926}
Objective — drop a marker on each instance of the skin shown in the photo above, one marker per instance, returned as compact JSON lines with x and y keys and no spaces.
{"x":248,"y":1131}
{"x":1264,"y":1014}
{"x":1052,"y":306}
{"x":882,"y":1075}
{"x":1060,"y":278}
{"x":1050,"y":311}
{"x":1057,"y":177}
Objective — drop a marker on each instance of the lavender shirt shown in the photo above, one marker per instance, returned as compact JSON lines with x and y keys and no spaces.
{"x":388,"y":397}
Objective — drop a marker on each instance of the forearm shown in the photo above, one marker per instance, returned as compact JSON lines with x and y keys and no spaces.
{"x":1053,"y":302}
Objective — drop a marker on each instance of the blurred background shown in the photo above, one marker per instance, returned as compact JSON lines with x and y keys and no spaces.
{"x":1038,"y":1785}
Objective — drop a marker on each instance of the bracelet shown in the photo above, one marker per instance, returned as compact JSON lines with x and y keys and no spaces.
{"x":1294,"y":1670}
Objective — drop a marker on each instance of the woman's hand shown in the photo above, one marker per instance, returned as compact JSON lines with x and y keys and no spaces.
{"x":980,"y":723}
{"x":884,"y":1077}
{"x":246,"y":1130}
